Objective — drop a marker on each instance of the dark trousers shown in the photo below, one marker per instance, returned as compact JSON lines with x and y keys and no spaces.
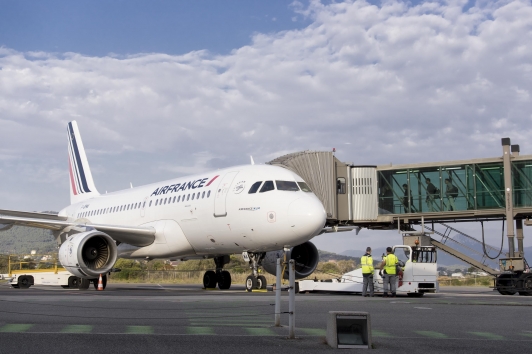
{"x":368,"y":281}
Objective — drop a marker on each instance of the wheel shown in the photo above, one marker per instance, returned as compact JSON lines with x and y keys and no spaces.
{"x":224,"y":280}
{"x":104,"y":282}
{"x":209,"y":279}
{"x":505,"y":284}
{"x":251,"y":283}
{"x":83,"y":284}
{"x":261,"y":282}
{"x":415,"y":294}
{"x":73,"y":283}
{"x":24,"y":282}
{"x":525,"y":285}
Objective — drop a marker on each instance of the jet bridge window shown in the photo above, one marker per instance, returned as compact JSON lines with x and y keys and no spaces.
{"x":255,"y":187}
{"x":287,"y":186}
{"x":340,"y":185}
{"x":267,"y":186}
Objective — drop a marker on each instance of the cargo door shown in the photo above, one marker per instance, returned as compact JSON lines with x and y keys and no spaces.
{"x":221,"y":194}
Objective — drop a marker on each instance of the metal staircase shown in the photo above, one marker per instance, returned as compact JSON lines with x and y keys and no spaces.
{"x":474,"y":257}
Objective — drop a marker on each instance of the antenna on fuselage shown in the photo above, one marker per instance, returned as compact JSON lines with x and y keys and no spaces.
{"x":131,"y":185}
{"x":252,"y":162}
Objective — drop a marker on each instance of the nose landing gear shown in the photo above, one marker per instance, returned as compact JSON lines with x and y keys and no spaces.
{"x":255,"y":281}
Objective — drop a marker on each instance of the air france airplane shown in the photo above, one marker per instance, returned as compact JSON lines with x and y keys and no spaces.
{"x":255,"y":210}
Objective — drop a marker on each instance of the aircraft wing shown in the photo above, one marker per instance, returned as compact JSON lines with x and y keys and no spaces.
{"x":133,"y":235}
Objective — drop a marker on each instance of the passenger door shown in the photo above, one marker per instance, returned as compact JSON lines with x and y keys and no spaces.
{"x":221,"y":194}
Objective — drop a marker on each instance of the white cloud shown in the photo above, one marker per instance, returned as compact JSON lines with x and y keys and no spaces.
{"x":395,"y":83}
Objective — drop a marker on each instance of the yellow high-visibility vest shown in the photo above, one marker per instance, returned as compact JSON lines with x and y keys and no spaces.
{"x":390,"y":262}
{"x":367,"y":264}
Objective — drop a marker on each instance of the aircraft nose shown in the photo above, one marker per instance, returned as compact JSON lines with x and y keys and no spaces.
{"x":307,"y":217}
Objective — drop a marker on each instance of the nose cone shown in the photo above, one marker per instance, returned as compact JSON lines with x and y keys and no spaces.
{"x":307,"y":217}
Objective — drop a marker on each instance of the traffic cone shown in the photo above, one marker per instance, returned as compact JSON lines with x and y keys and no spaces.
{"x":100,"y":283}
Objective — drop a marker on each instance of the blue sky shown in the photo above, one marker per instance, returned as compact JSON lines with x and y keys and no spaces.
{"x":401,"y":82}
{"x":101,"y":27}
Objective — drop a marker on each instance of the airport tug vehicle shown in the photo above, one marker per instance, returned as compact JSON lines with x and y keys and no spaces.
{"x":418,"y":272}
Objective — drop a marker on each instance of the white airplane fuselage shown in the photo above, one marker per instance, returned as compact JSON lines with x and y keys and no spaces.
{"x":210,"y":214}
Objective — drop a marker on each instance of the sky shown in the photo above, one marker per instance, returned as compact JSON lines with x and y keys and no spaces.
{"x":163,"y":89}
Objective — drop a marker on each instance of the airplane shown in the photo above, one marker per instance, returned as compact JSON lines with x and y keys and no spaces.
{"x":256,"y":210}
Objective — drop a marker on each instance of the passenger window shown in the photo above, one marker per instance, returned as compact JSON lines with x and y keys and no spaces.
{"x":178,"y":199}
{"x":197,"y":195}
{"x":255,"y":187}
{"x":156,"y":202}
{"x":267,"y":186}
{"x":144,"y":204}
{"x":304,"y":187}
{"x":208,"y":194}
{"x":203,"y":195}
{"x":173,"y":200}
{"x":188,"y":197}
{"x":287,"y":186}
{"x":193,"y":194}
{"x":150,"y":203}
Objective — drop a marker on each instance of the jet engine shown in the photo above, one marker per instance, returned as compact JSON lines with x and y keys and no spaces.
{"x":88,"y":254}
{"x":306,"y":257}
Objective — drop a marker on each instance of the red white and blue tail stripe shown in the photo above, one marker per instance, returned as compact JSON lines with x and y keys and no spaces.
{"x":81,"y":183}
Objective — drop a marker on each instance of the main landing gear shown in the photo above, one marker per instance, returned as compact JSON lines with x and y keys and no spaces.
{"x":255,"y":281}
{"x":221,"y":277}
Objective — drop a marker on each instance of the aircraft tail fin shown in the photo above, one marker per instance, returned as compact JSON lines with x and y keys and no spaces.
{"x":81,"y":183}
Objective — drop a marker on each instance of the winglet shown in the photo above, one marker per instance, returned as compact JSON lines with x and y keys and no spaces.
{"x":81,"y":183}
{"x":252,"y":162}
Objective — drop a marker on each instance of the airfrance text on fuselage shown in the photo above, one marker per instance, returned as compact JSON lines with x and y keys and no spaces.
{"x":199,"y":183}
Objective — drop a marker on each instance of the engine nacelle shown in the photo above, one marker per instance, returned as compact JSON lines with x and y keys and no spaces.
{"x":306,"y":257}
{"x":88,"y":254}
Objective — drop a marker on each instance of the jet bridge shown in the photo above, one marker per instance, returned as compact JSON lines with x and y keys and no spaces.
{"x":400,"y":196}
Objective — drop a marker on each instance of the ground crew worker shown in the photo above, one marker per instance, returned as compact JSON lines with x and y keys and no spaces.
{"x":390,"y":273}
{"x":367,"y":273}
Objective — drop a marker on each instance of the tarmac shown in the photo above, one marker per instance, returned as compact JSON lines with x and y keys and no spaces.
{"x":164,"y":318}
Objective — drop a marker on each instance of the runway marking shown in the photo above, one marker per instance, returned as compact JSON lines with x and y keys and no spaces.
{"x":423,"y":308}
{"x":77,"y":329}
{"x":200,"y":330}
{"x":488,"y":335}
{"x":15,"y":327}
{"x":382,"y":334}
{"x":260,"y":331}
{"x":431,"y":334}
{"x":314,"y":331}
{"x":526,"y":334}
{"x":139,"y":330}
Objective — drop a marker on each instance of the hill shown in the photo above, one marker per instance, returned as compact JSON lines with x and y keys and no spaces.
{"x":22,"y":240}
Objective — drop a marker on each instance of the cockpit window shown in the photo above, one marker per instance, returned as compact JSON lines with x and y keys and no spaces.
{"x":304,"y":187}
{"x":287,"y":186}
{"x":255,"y":187}
{"x":267,"y":186}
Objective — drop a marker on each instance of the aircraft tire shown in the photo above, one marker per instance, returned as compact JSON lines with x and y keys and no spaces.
{"x":224,"y":280}
{"x":261,"y":282}
{"x":84,"y":284}
{"x":209,"y":279}
{"x":72,"y":282}
{"x":251,"y":283}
